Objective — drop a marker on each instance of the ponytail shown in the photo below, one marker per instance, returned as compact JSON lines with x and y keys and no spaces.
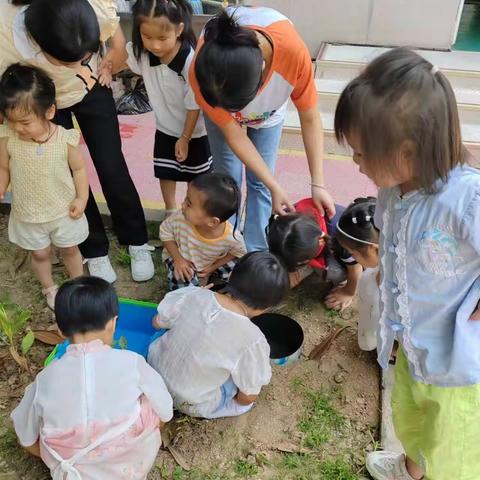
{"x":224,"y":30}
{"x":229,"y":65}
{"x":356,"y":226}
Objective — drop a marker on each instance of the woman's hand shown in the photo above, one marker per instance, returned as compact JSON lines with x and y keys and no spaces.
{"x":280,"y":202}
{"x":323,"y":201}
{"x":105,"y":73}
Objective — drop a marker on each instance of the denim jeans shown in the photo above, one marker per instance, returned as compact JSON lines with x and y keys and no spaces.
{"x":259,"y":201}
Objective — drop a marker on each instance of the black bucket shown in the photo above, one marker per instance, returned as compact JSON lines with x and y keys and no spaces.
{"x":283,"y":334}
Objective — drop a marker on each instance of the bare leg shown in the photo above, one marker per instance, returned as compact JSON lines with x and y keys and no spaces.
{"x":72,"y":261}
{"x":413,"y":469}
{"x":42,"y":267}
{"x":168,"y":188}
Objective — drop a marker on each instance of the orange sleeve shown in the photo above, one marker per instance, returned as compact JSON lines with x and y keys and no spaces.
{"x":304,"y":94}
{"x":219,"y":116}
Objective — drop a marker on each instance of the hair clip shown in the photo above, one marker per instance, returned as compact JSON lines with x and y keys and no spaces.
{"x":368,"y":218}
{"x":354,"y":220}
{"x":434,"y":70}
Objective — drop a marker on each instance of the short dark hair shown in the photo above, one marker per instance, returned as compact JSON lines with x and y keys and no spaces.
{"x":401,"y":97}
{"x":177,"y":11}
{"x":294,"y":238}
{"x":229,"y":65}
{"x":65,"y":29}
{"x":27,"y":88}
{"x":259,"y":280}
{"x":85,"y":304}
{"x":357,"y":221}
{"x":222,"y":194}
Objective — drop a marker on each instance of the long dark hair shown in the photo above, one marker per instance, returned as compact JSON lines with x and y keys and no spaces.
{"x":67,"y":30}
{"x":177,"y":11}
{"x":229,"y":65}
{"x":401,"y":97}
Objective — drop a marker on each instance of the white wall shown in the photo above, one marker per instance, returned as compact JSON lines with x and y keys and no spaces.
{"x":415,"y":23}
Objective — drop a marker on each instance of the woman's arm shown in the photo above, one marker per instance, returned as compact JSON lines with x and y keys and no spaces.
{"x":312,"y":133}
{"x":245,"y":150}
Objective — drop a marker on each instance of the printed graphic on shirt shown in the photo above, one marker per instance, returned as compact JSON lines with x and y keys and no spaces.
{"x":438,"y":252}
{"x":253,"y":118}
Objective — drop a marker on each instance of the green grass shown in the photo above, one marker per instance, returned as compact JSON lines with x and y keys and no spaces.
{"x":295,"y":466}
{"x":244,"y":468}
{"x":320,"y":420}
{"x":123,"y":257}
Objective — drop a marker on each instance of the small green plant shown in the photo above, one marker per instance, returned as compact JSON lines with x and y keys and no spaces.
{"x":332,"y":314}
{"x":178,"y":473}
{"x":12,"y":320}
{"x":337,"y":470}
{"x":245,"y":468}
{"x":300,"y":466}
{"x":123,"y":258}
{"x":320,"y":420}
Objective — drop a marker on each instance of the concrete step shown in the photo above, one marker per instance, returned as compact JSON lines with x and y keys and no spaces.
{"x":338,"y":64}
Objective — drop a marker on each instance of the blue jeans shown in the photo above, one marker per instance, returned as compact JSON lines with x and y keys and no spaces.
{"x":259,"y":201}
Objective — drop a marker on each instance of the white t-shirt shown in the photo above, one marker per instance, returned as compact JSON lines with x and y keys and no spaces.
{"x":168,"y":89}
{"x":205,"y":346}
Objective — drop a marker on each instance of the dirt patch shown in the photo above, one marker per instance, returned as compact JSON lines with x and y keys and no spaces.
{"x":282,"y":437}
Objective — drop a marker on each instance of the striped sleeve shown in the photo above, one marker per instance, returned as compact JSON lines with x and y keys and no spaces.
{"x":167,"y":230}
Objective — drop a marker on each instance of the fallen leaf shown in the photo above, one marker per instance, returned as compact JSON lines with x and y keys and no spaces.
{"x":179,"y":458}
{"x":287,"y":448}
{"x":48,"y":337}
{"x":319,"y":351}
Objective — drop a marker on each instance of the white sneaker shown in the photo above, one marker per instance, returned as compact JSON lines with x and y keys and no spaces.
{"x":141,"y":262}
{"x":101,"y":267}
{"x":384,"y":465}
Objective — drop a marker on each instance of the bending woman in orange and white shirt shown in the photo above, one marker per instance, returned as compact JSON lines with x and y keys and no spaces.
{"x":250,"y":61}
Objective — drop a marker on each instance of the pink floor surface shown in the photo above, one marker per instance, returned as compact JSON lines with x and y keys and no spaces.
{"x":342,"y":176}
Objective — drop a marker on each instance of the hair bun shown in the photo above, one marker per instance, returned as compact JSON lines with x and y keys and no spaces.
{"x":224,"y":30}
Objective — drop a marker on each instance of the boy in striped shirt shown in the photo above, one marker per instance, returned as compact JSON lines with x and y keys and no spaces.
{"x":199,"y":241}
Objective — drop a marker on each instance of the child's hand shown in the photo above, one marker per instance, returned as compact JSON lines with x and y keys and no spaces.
{"x":206,"y":272}
{"x":181,"y":149}
{"x":476,"y":314}
{"x":338,"y":299}
{"x":77,"y":207}
{"x":156,"y":323}
{"x":184,"y":269}
{"x":2,"y":195}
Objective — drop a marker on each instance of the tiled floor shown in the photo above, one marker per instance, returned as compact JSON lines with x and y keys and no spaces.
{"x":342,"y":176}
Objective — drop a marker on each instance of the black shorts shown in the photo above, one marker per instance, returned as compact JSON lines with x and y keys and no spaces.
{"x":166,"y":167}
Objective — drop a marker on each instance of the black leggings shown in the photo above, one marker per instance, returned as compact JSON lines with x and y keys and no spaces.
{"x":97,"y":117}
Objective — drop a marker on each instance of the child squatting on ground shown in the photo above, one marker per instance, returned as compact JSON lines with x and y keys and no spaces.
{"x":400,"y":118}
{"x":305,"y":243}
{"x":45,"y":170}
{"x":356,"y":233}
{"x":199,"y":241}
{"x":94,"y":413}
{"x":216,"y":361}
